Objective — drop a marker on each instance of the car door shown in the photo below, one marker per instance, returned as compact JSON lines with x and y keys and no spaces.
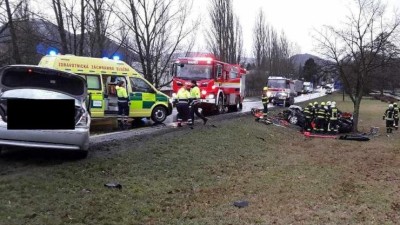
{"x":142,"y":98}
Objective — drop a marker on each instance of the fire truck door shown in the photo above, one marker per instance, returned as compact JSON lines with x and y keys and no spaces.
{"x":242,"y":85}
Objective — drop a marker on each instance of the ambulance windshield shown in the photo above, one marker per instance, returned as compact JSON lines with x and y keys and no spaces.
{"x":193,"y":71}
{"x":277,"y":84}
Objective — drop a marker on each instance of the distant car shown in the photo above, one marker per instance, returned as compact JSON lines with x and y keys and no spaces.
{"x":328,"y":91}
{"x":33,"y":83}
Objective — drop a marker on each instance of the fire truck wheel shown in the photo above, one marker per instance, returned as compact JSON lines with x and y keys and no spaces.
{"x":220,"y":106}
{"x":159,"y":114}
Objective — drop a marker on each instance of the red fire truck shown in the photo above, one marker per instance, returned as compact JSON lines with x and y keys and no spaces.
{"x":221,"y":84}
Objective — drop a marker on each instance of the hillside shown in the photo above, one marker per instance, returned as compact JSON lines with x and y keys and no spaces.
{"x":300,"y":59}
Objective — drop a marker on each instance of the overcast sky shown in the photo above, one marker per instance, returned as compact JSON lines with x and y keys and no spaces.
{"x":296,"y":17}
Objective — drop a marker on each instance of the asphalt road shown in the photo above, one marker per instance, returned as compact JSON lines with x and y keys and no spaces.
{"x":149,"y":128}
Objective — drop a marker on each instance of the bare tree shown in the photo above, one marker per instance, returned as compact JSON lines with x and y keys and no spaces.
{"x":159,"y":28}
{"x":355,"y":48}
{"x":272,"y":51}
{"x":58,"y":12}
{"x":224,"y":38}
{"x":15,"y":50}
{"x":98,"y":24}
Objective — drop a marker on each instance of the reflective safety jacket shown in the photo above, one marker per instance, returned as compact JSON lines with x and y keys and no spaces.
{"x":195,"y":92}
{"x":333,"y":113}
{"x":183,"y":95}
{"x":264,"y":97}
{"x":308,"y":111}
{"x":121,"y":93}
{"x":314,"y":110}
{"x":321,"y":112}
{"x":389,"y":114}
{"x":396,"y":112}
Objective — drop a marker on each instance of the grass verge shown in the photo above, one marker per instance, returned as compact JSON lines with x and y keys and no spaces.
{"x":194,"y":176}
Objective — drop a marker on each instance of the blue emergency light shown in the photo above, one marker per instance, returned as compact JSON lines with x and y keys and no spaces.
{"x":52,"y":52}
{"x":116,"y":57}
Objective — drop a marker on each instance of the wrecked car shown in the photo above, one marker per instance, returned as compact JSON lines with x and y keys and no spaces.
{"x":294,"y":115}
{"x":42,"y":86}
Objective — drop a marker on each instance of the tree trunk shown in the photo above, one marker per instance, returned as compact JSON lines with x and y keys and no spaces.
{"x":16,"y":54}
{"x":82,"y":39}
{"x":60,"y":22}
{"x":356,"y":114}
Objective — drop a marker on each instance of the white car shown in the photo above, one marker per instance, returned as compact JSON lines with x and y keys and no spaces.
{"x":33,"y":84}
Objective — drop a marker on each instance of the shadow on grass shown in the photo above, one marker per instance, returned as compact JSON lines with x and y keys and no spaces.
{"x":38,"y":157}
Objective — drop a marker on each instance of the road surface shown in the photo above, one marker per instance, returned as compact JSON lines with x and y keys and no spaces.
{"x":248,"y":104}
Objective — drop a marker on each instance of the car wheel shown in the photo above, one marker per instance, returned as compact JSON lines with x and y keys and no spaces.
{"x":159,"y":114}
{"x":293,"y":120}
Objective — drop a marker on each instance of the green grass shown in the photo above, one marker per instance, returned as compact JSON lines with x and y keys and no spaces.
{"x":194,"y":176}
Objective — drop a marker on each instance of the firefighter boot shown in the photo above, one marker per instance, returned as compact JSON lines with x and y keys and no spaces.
{"x":179,"y":123}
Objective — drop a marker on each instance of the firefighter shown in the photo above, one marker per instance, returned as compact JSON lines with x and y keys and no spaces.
{"x":389,"y":117}
{"x":182,"y":105}
{"x":396,"y":116}
{"x":265,"y":102}
{"x":308,"y":113}
{"x":328,"y":108}
{"x":314,"y":114}
{"x":320,"y":118}
{"x":123,"y":105}
{"x":195,"y":103}
{"x":333,"y":119}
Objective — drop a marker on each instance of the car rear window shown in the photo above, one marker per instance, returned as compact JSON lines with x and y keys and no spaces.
{"x":39,"y":78}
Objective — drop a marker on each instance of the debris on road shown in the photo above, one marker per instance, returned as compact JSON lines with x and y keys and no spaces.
{"x":113,"y":185}
{"x":241,"y":204}
{"x":308,"y":134}
{"x":354,"y":137}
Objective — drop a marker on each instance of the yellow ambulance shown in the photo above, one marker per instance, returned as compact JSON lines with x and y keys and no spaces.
{"x":102,"y":75}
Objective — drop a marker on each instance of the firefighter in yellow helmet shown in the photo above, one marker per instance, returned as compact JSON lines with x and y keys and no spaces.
{"x":396,"y":115}
{"x":389,"y":117}
{"x":182,"y":105}
{"x":265,"y":101}
{"x":308,"y":113}
{"x":195,"y":103}
{"x":320,"y":118}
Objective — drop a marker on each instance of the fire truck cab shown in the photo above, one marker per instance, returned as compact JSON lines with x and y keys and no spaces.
{"x":221,"y":84}
{"x":281,"y":90}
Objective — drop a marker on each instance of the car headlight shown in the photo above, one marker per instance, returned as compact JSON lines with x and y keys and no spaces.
{"x":210,"y":96}
{"x":83,"y":121}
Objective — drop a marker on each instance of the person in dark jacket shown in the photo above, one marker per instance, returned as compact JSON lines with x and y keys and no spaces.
{"x":195,"y":103}
{"x":308,"y":114}
{"x":320,"y":119}
{"x":389,"y":117}
{"x":396,"y":116}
